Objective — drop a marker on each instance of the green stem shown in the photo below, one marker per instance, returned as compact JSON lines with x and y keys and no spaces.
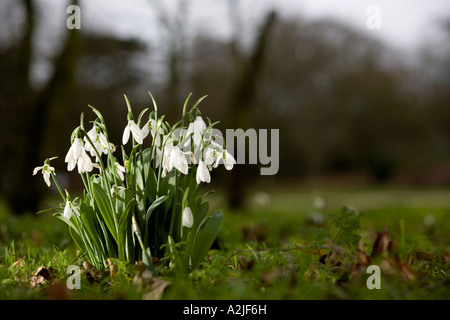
{"x":172,"y":219}
{"x":58,"y":187}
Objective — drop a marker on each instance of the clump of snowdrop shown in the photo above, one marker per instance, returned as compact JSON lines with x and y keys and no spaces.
{"x":143,"y":202}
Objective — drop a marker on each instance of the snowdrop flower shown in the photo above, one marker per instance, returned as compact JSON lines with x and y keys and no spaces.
{"x":84,"y":163}
{"x":46,"y":172}
{"x":187,"y":218}
{"x":155,"y":129}
{"x":173,"y":158}
{"x":178,"y":160}
{"x":74,"y":154}
{"x":227,"y":159}
{"x":203,"y":173}
{"x":120,"y":170}
{"x":197,"y":127}
{"x":191,"y":156}
{"x":135,"y":131}
{"x":99,"y":140}
{"x":69,"y":209}
{"x":158,"y":157}
{"x":78,"y":156}
{"x":211,"y":156}
{"x":115,"y":189}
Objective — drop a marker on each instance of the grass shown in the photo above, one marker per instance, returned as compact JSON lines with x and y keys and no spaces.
{"x":279,"y":247}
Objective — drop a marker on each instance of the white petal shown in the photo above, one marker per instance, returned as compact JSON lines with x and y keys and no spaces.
{"x":229,"y":160}
{"x":203,"y":173}
{"x":68,"y":210}
{"x":36,"y":170}
{"x":137,"y":133}
{"x":69,"y":155}
{"x":119,"y":167}
{"x":80,"y":164}
{"x":145,"y":131}
{"x":77,"y":148}
{"x":47,"y":179}
{"x":187,"y":218}
{"x":199,"y":124}
{"x":71,"y":165}
{"x":87,"y":162}
{"x":179,"y":160}
{"x":126,"y":135}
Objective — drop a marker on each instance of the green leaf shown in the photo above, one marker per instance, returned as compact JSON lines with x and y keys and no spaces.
{"x":102,"y":201}
{"x":150,"y":185}
{"x":205,"y":236}
{"x":123,"y":228}
{"x":153,"y":206}
{"x":175,"y":257}
{"x":125,"y":216}
{"x":147,"y":259}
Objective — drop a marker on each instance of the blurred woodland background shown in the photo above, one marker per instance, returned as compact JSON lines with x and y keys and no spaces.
{"x":349,"y":107}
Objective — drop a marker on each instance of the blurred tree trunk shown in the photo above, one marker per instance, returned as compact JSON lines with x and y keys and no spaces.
{"x":243,"y":92}
{"x":28,"y":112}
{"x":174,"y":35}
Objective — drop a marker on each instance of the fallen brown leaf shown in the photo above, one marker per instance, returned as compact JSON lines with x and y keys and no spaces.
{"x":41,"y":276}
{"x":112,"y":269}
{"x":153,"y":287}
{"x":380,"y":246}
{"x":91,"y":273}
{"x":446,"y":257}
{"x":363,"y":258}
{"x":423,"y":255}
{"x":18,"y":263}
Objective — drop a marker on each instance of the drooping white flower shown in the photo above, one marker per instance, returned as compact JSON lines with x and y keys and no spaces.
{"x":173,"y":157}
{"x":115,"y":189}
{"x":227,"y":159}
{"x":158,"y":157}
{"x":46,"y":172}
{"x":69,"y":209}
{"x":211,"y":156}
{"x":155,"y":128}
{"x":135,"y":131}
{"x":120,"y":170}
{"x":191,"y":156}
{"x":77,"y":156}
{"x":178,"y":160}
{"x":84,"y":163}
{"x":187,"y":218}
{"x":197,"y":128}
{"x":74,"y":154}
{"x":99,"y":140}
{"x":203,"y":173}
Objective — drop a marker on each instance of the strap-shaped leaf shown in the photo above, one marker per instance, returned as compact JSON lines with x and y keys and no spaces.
{"x":102,"y":201}
{"x":123,"y":228}
{"x":153,"y":206}
{"x":205,"y":236}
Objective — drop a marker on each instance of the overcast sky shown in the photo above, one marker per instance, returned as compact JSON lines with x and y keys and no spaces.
{"x":404,"y":23}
